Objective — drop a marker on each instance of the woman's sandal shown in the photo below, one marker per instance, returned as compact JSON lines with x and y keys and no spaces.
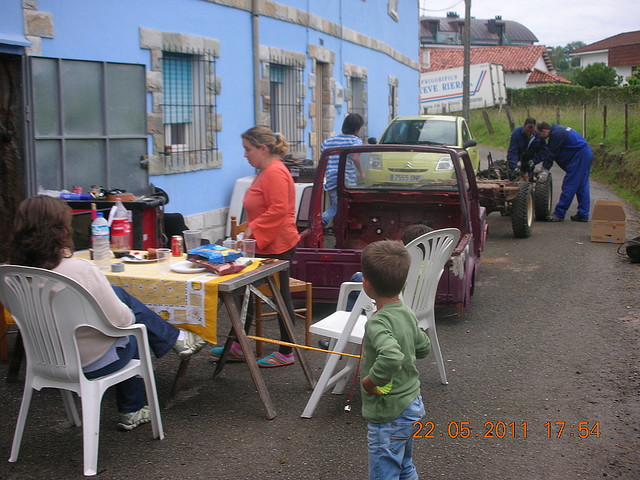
{"x":232,"y":356}
{"x":276,"y":359}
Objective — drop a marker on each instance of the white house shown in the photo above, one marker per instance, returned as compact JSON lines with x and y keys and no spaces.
{"x":621,"y":52}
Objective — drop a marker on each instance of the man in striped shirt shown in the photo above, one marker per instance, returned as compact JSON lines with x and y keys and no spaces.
{"x":350,"y":128}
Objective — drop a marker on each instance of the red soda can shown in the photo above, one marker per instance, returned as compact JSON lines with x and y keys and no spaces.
{"x":176,"y":245}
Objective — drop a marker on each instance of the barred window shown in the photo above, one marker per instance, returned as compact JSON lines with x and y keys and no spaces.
{"x":358,"y":102}
{"x":189,"y":109}
{"x":285,"y":91}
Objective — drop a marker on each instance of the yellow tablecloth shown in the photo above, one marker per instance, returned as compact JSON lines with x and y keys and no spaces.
{"x":186,"y":300}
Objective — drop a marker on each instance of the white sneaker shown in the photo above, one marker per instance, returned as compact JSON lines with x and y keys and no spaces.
{"x":190,"y":344}
{"x":129,"y":421}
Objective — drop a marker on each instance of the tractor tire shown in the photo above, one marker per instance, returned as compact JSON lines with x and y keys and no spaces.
{"x":543,"y":198}
{"x":522,"y":211}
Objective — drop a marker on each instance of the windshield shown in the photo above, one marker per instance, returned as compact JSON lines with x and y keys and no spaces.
{"x":421,"y":132}
{"x":401,"y":170}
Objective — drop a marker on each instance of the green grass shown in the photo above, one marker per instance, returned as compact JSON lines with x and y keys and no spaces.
{"x":613,"y":164}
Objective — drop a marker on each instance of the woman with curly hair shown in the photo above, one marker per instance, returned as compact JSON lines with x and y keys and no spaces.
{"x":43,"y":237}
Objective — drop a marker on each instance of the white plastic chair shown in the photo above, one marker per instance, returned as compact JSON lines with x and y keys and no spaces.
{"x":429,"y":254}
{"x":48,"y":308}
{"x":342,"y":328}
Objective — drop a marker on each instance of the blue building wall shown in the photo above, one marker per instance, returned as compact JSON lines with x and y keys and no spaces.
{"x":109,"y":30}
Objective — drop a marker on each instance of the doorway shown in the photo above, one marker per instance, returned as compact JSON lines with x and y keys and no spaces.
{"x":12,"y":180}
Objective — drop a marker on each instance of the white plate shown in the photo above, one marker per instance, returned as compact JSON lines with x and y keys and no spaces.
{"x":138,"y":257}
{"x":186,"y":267}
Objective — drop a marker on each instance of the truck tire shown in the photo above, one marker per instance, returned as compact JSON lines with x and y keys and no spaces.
{"x":543,"y":199}
{"x":522,"y":211}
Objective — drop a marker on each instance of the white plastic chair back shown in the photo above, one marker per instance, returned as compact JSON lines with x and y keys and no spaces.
{"x":345,"y":331}
{"x":429,"y":255}
{"x":48,"y":308}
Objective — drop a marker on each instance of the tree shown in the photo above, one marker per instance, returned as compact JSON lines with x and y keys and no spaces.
{"x":597,"y":75}
{"x":634,"y":79}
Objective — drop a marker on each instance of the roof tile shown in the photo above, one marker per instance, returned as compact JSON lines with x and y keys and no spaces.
{"x":513,"y":58}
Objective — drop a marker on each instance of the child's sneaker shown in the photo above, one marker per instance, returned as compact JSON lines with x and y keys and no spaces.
{"x":129,"y":421}
{"x":276,"y":359}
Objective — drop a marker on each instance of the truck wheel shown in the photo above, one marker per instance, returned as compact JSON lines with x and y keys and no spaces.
{"x":522,"y":211}
{"x":543,"y":198}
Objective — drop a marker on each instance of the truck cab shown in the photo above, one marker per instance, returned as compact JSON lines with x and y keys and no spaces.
{"x":381,"y":205}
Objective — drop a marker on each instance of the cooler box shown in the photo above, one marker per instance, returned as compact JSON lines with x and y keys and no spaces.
{"x":608,"y":222}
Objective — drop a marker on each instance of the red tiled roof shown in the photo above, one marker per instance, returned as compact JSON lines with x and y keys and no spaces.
{"x":513,"y":58}
{"x":538,"y":76}
{"x":628,"y":38}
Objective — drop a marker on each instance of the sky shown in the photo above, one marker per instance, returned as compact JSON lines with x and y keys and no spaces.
{"x":554,"y":23}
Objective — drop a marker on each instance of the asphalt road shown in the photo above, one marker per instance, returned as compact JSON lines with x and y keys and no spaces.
{"x":551,"y":339}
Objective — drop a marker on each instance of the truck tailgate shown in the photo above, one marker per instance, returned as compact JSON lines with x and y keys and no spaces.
{"x":326,"y":269}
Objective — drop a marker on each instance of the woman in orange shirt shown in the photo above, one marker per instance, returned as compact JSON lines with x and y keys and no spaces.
{"x":270,"y":206}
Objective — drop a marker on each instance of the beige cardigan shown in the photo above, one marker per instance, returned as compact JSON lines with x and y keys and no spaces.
{"x":91,"y":343}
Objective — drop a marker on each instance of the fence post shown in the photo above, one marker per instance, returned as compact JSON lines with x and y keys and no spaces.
{"x":557,"y":115}
{"x":604,"y":123}
{"x":584,"y":121}
{"x":512,"y":124}
{"x":626,"y":127}
{"x":487,"y":121}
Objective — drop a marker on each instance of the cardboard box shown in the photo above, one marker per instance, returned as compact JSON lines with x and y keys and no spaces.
{"x":608,"y":222}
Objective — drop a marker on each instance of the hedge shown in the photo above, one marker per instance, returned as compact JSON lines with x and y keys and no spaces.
{"x":573,"y":95}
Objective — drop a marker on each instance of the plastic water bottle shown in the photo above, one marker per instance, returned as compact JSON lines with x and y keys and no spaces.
{"x":100,"y":241}
{"x":120,"y":229}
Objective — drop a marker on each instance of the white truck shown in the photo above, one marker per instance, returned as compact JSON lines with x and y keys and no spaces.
{"x":441,"y":90}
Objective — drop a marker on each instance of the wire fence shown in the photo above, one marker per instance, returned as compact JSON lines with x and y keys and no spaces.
{"x":616,"y":126}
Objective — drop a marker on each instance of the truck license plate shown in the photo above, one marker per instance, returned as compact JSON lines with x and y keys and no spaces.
{"x":405,"y":178}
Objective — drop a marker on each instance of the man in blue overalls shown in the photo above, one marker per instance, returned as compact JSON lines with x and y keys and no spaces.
{"x":523,"y":146}
{"x":573,"y":154}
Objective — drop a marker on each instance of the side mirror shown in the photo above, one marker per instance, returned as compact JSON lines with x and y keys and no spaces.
{"x":469,"y":144}
{"x":372,"y":140}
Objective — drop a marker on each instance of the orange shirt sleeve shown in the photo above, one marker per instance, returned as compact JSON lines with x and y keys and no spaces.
{"x":270,"y":206}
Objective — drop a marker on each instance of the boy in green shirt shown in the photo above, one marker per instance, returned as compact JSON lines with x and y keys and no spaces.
{"x":391,"y":400}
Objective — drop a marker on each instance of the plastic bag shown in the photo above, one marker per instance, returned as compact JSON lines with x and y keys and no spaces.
{"x":213,"y":254}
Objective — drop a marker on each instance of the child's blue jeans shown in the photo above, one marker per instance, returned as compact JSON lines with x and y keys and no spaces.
{"x":391,"y":445}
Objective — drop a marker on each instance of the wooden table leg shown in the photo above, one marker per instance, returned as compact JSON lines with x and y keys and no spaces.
{"x":286,"y":318}
{"x":250,"y":358}
{"x":177,"y":381}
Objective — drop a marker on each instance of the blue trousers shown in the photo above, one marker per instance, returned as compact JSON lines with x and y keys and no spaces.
{"x":391,"y":445}
{"x":130,"y":394}
{"x":575,"y":182}
{"x":331,"y":211}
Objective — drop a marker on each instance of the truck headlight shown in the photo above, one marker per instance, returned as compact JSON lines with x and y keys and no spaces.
{"x":375,"y":161}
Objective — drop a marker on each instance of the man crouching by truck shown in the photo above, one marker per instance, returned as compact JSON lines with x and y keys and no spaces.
{"x":523,"y":146}
{"x":573,"y":154}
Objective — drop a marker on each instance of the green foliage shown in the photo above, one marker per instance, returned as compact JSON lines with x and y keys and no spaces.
{"x":572,"y":95}
{"x":597,"y":75}
{"x":634,"y":79}
{"x":570,"y":47}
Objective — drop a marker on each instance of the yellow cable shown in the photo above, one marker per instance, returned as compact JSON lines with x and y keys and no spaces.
{"x":288,"y":344}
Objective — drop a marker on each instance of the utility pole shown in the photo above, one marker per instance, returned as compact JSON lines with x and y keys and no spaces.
{"x":466,"y":40}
